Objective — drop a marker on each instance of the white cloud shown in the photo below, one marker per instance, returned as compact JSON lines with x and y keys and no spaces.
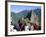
{"x":18,"y":11}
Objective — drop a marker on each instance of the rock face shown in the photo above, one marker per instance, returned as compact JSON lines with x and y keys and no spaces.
{"x":34,"y":18}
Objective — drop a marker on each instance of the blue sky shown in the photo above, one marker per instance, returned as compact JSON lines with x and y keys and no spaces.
{"x":18,"y":8}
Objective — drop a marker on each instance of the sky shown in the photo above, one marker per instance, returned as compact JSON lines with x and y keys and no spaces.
{"x":18,"y":8}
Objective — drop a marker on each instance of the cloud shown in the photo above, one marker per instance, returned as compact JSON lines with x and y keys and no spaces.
{"x":18,"y":11}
